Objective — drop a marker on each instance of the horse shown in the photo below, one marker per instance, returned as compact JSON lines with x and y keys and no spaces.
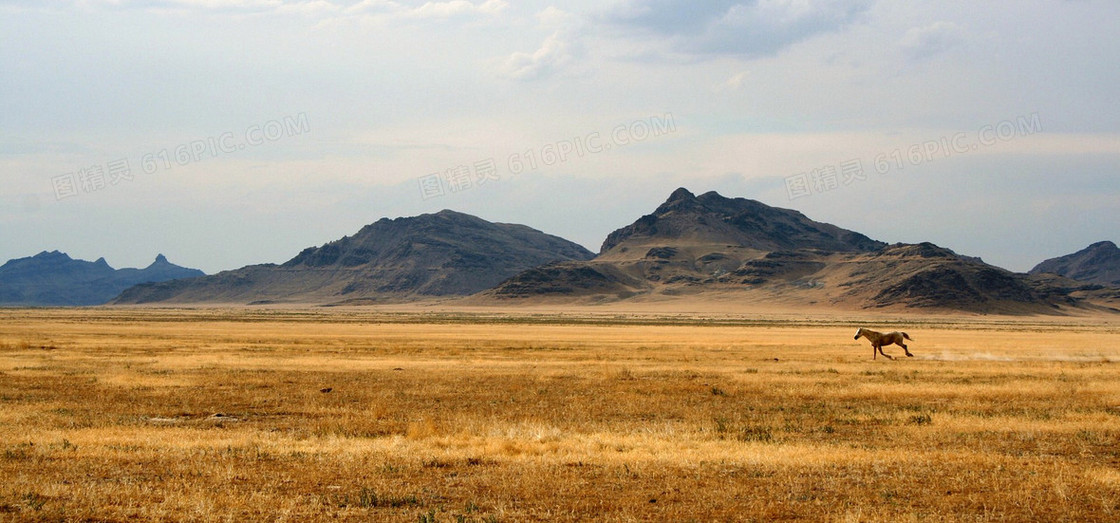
{"x":878,"y":339}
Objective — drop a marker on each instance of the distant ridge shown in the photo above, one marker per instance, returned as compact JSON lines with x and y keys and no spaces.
{"x":712,"y":218}
{"x":1098,"y":263}
{"x":748,"y":251}
{"x":707,"y":247}
{"x":432,"y":255}
{"x":55,"y":279}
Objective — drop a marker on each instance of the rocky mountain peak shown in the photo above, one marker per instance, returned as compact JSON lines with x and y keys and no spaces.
{"x":447,"y":253}
{"x":1098,"y":263}
{"x":54,"y":278}
{"x":738,"y":222}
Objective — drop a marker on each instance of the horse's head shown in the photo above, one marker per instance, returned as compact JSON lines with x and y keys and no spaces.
{"x":859,"y":333}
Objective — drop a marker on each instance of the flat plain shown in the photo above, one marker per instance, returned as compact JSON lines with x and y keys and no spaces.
{"x":246,"y":414}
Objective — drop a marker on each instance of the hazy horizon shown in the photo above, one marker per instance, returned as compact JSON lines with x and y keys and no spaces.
{"x":223,"y":133}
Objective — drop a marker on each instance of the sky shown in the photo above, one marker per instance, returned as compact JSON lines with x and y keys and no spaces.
{"x":224,"y":133}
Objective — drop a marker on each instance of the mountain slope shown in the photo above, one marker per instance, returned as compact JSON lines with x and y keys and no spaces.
{"x":713,"y":219}
{"x":1098,"y":263}
{"x":442,"y":254}
{"x":712,"y":245}
{"x":53,"y":278}
{"x":927,"y":276}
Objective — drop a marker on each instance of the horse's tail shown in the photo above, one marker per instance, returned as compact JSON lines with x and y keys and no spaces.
{"x":907,"y":336}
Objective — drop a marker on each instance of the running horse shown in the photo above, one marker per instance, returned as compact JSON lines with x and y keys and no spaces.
{"x":878,"y":339}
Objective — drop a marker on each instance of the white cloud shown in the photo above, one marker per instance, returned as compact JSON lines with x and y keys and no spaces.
{"x":455,"y":8}
{"x":226,"y":4}
{"x":235,"y":6}
{"x":735,"y":83}
{"x":923,"y":43}
{"x":557,"y":52}
{"x":733,"y":28}
{"x":373,"y":7}
{"x":556,"y":18}
{"x":311,"y":8}
{"x":552,"y":56}
{"x":367,"y":8}
{"x":380,"y":11}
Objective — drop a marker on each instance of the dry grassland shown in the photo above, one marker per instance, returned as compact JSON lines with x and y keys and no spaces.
{"x":204,"y":415}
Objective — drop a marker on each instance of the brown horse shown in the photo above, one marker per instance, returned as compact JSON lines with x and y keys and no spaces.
{"x":878,"y":339}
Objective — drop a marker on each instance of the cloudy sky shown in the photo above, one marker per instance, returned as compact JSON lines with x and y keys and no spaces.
{"x":229,"y":132}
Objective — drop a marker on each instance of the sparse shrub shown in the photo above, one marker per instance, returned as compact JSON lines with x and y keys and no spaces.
{"x":920,"y":419}
{"x":34,"y":501}
{"x":390,"y":468}
{"x":18,"y":452}
{"x":64,"y":445}
{"x":1091,"y":437}
{"x":15,"y":454}
{"x":723,"y":427}
{"x":758,"y":434}
{"x":409,"y":501}
{"x":437,"y":463}
{"x":367,"y":498}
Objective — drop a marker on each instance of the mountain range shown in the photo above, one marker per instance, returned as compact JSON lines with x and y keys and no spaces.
{"x":1098,"y":263}
{"x":707,"y":247}
{"x":752,"y":252}
{"x":443,"y":254}
{"x":54,"y":278}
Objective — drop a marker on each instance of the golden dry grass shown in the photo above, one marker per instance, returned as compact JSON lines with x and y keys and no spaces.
{"x":117,"y":414}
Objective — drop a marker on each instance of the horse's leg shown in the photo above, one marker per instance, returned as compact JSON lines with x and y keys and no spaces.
{"x":885,"y":355}
{"x":873,"y":354}
{"x":907,"y":349}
